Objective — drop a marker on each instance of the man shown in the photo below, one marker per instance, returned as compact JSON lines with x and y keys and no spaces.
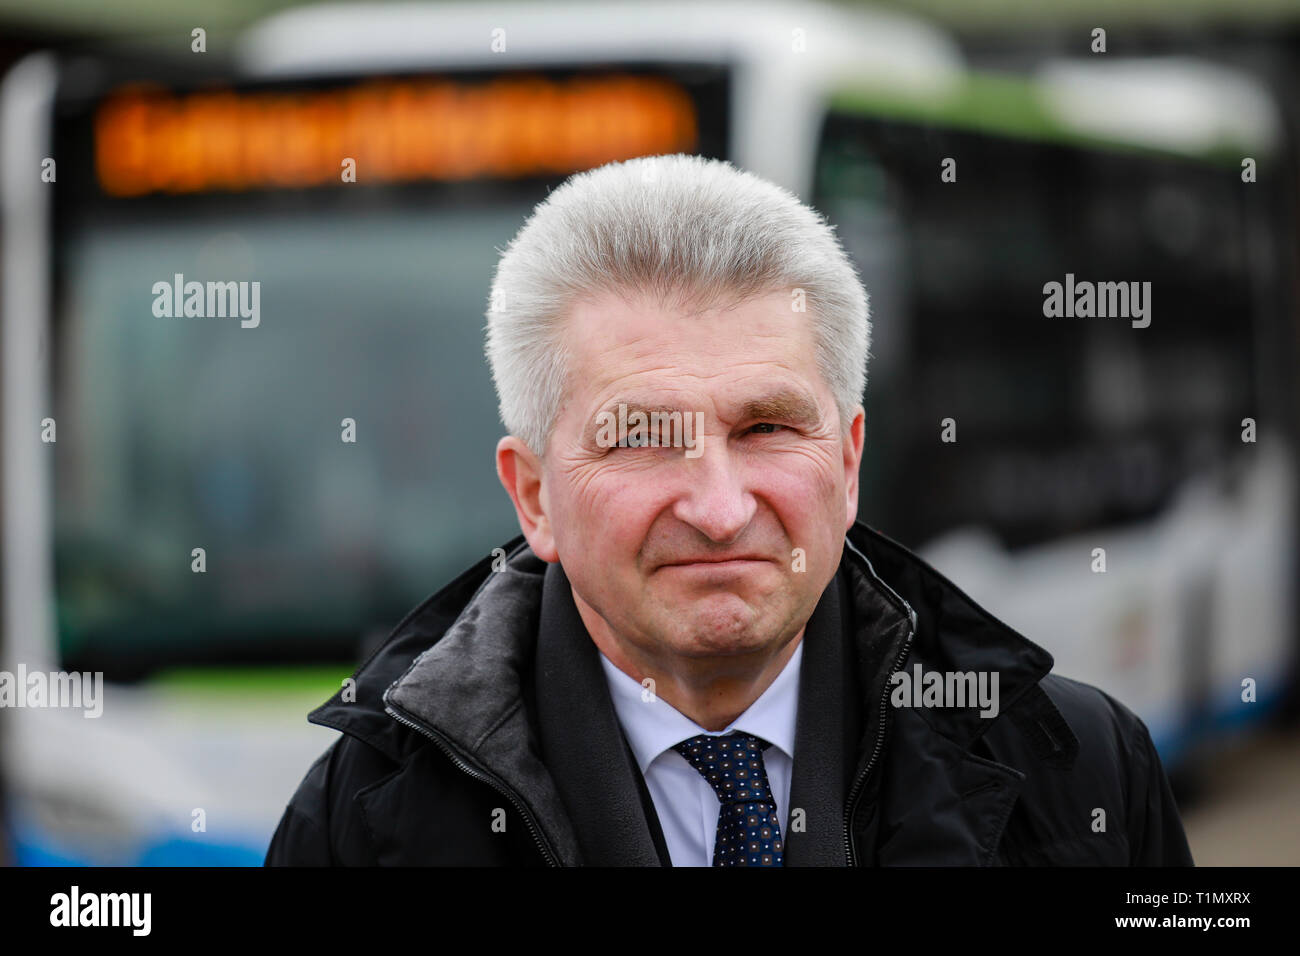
{"x":693,"y":655}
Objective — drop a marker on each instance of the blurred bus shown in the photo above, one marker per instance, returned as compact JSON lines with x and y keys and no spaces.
{"x":1120,"y":490}
{"x":176,"y":434}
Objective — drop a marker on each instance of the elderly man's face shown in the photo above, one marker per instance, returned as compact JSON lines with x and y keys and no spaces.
{"x":719,"y":550}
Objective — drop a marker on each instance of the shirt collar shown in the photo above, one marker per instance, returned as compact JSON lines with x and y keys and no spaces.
{"x":653,"y":725}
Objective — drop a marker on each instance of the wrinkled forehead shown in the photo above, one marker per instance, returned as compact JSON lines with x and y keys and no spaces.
{"x":751,"y":360}
{"x":615,"y":335}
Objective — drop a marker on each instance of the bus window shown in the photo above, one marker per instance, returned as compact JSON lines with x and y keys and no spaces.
{"x":1065,"y":423}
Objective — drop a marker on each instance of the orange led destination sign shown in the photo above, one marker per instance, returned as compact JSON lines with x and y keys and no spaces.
{"x":149,"y":140}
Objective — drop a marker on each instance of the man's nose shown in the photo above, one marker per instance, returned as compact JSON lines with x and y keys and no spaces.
{"x":715,"y":499}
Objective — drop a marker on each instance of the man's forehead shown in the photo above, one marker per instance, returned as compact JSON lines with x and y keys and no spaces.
{"x":758,"y":358}
{"x":630,"y":317}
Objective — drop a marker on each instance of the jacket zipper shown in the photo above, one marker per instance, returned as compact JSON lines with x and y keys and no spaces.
{"x":866,"y":772}
{"x":478,"y":773}
{"x":851,"y":804}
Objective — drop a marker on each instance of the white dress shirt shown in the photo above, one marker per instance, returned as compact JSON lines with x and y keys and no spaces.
{"x":684,"y":801}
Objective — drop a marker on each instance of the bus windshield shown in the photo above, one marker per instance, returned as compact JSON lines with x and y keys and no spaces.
{"x":276,"y":426}
{"x":213,"y":433}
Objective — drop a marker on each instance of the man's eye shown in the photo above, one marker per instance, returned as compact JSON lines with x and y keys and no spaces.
{"x":767,"y":425}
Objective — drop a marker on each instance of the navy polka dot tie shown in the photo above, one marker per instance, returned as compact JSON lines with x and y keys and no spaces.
{"x":749,"y":833}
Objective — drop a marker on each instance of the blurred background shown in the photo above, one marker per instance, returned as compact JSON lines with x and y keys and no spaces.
{"x":1149,"y":141}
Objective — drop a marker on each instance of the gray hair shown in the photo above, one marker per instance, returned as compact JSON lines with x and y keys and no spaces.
{"x":689,"y":230}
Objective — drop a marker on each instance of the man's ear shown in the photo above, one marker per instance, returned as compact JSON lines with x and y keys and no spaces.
{"x":853,"y":442}
{"x":520,"y":472}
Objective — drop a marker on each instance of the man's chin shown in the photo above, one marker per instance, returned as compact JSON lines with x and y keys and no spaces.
{"x":711,"y":638}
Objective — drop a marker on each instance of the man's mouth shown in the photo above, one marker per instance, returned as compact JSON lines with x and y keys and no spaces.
{"x":717,"y":563}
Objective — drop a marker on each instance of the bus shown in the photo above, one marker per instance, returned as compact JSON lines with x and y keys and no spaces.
{"x":183,"y":511}
{"x":1121,"y":490}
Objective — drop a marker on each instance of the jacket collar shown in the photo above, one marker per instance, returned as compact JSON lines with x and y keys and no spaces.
{"x":475,"y":645}
{"x":581,"y":740}
{"x":939,"y":801}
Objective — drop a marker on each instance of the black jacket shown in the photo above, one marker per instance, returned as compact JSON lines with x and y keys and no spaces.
{"x":482,"y":733}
